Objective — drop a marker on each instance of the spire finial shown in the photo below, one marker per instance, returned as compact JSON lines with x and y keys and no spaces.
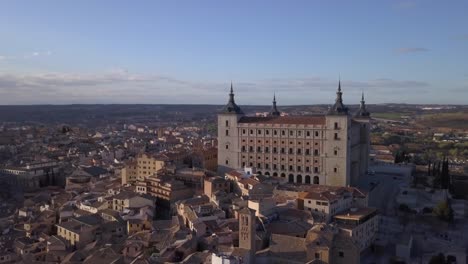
{"x":339,"y":82}
{"x":274,"y":97}
{"x":362,"y":96}
{"x":232,"y":90}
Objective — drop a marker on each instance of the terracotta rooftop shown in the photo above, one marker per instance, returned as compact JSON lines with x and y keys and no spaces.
{"x":356,"y":213}
{"x":299,"y":120}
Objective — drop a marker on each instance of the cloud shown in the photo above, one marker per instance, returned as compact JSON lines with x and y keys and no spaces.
{"x":411,"y":50}
{"x":26,"y":56}
{"x":121,"y":86}
{"x":37,"y":54}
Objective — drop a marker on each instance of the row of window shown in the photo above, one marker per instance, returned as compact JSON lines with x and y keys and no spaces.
{"x":149,"y":168}
{"x":282,"y":142}
{"x":276,"y":159}
{"x":144,"y":162}
{"x":283,"y":133}
{"x":243,"y":133}
{"x":275,"y":150}
{"x":281,"y":167}
{"x":336,"y":126}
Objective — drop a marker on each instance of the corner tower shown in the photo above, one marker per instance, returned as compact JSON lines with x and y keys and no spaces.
{"x":361,"y":142}
{"x":337,"y":144}
{"x":228,"y":135}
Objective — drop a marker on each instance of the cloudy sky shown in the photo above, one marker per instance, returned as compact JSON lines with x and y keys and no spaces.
{"x":62,"y":52}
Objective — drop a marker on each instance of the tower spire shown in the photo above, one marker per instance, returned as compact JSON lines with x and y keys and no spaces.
{"x":274,"y":111}
{"x":231,"y":106}
{"x":362,"y":112}
{"x":231,"y":95}
{"x":339,"y":83}
{"x":338,"y":107}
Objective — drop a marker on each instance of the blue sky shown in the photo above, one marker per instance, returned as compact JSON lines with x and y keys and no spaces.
{"x":61,"y":52}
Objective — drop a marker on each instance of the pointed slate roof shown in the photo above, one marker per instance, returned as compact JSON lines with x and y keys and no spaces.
{"x":362,"y":112}
{"x":232,"y":107}
{"x":338,"y":108}
{"x":274,"y":111}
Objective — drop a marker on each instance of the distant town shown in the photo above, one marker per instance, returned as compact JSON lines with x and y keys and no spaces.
{"x":344,"y":182}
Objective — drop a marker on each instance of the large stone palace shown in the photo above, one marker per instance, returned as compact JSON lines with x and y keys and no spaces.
{"x":327,"y":149}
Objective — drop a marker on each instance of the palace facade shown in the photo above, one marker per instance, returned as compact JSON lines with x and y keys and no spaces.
{"x":327,"y":149}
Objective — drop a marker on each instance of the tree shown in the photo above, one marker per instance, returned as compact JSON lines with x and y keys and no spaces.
{"x":445,"y":180}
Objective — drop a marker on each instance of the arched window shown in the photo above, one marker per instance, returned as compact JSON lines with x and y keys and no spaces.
{"x":316,"y":180}
{"x":307,"y":179}
{"x":291,"y":178}
{"x":299,"y":178}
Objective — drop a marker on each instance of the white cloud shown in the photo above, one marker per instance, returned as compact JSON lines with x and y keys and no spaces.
{"x":120,"y":86}
{"x":37,"y":54}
